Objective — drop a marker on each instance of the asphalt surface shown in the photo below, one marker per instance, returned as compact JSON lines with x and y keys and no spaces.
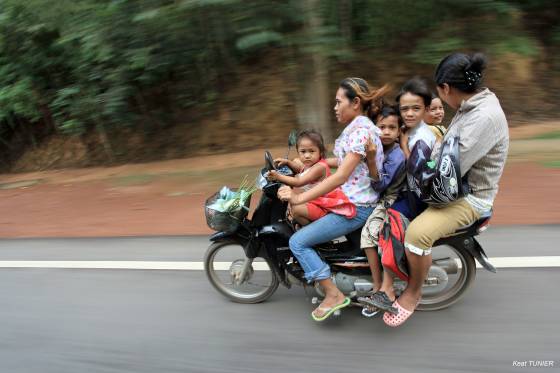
{"x":91,"y":320}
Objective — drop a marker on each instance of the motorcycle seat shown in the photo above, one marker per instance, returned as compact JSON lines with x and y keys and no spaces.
{"x":354,"y":238}
{"x":474,"y":226}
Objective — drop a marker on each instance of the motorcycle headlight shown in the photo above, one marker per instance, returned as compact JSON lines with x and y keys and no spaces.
{"x":261,"y":181}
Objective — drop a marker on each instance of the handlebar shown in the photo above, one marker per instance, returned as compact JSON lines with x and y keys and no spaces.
{"x":271,"y":187}
{"x":269,"y":161}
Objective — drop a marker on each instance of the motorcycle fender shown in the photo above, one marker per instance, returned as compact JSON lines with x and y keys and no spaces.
{"x":218,"y":236}
{"x":478,"y":253}
{"x":249,"y":246}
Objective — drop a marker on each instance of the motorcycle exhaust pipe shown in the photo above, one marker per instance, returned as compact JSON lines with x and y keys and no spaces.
{"x":449,"y":265}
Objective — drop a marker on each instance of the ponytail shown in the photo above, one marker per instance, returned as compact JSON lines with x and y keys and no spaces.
{"x":371,"y":100}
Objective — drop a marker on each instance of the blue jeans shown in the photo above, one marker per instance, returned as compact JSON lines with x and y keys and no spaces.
{"x":325,"y":229}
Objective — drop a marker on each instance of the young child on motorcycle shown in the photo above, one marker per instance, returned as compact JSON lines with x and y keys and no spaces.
{"x":414,"y":100}
{"x":417,"y":141}
{"x":434,"y":117}
{"x":387,"y":181}
{"x":312,"y":168}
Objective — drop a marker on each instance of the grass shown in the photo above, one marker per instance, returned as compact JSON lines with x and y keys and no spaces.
{"x":229,"y":176}
{"x":552,"y":164}
{"x":547,"y":136}
{"x":140,"y":179}
{"x":20,"y":184}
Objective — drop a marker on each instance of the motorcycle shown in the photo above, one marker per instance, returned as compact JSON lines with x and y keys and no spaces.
{"x":248,"y":259}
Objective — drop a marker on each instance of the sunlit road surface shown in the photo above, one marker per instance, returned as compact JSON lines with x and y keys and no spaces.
{"x":70,"y":319}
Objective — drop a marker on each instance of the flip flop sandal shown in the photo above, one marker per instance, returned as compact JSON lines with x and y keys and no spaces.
{"x":398,"y":319}
{"x":381,"y":300}
{"x":329,"y":310}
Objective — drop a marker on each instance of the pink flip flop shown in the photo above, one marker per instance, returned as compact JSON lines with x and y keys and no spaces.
{"x":398,"y":319}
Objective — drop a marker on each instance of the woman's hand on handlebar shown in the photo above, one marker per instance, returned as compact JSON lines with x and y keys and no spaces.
{"x":286,"y":194}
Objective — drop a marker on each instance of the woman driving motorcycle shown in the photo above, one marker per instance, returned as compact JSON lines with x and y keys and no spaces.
{"x":482,"y":130}
{"x":356,"y":103}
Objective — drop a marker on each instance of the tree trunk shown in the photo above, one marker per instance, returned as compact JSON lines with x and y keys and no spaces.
{"x":23,"y":127}
{"x":29,"y":131}
{"x":45,"y":112}
{"x":105,"y":141}
{"x":313,"y":106}
{"x":152,"y":121}
{"x":345,"y":14}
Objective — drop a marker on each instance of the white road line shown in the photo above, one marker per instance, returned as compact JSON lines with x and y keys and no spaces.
{"x":93,"y":264}
{"x":525,"y":262}
{"x":499,"y":262}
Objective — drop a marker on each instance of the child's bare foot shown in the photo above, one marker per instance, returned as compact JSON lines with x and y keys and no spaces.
{"x":409,"y":300}
{"x":390,"y":293}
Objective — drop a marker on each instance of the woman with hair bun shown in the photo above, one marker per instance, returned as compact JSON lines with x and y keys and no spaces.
{"x":482,"y":128}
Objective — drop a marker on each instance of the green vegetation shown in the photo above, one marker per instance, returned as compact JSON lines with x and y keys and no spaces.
{"x":93,"y":67}
{"x":552,"y":164}
{"x":547,"y":136}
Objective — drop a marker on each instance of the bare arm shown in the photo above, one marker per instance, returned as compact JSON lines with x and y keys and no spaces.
{"x":295,"y":165}
{"x":329,"y":184}
{"x":371,"y":153}
{"x":332,"y":162}
{"x":316,"y":172}
{"x":404,"y":145}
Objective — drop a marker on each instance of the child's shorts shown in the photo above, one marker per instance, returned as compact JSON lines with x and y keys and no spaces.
{"x":370,"y":231}
{"x":315,"y":212}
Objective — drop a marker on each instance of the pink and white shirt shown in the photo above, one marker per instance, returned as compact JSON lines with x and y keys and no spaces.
{"x":353,"y":140}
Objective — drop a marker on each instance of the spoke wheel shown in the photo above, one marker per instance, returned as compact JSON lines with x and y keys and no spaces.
{"x":457,"y":283}
{"x":223,"y":264}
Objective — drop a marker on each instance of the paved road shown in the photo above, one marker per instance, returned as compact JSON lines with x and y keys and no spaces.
{"x":86,"y":320}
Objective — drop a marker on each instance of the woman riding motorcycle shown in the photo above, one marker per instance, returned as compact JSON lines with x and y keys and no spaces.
{"x":481,"y":129}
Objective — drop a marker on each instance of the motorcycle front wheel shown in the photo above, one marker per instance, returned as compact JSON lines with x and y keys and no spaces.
{"x":225,"y":264}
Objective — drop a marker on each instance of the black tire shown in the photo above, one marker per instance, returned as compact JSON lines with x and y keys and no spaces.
{"x":232,"y":295}
{"x":452,"y":295}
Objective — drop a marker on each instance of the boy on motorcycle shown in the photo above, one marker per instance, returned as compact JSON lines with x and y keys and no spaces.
{"x":388,"y":181}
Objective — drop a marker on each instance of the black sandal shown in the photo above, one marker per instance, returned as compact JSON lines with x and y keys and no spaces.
{"x":380,"y":300}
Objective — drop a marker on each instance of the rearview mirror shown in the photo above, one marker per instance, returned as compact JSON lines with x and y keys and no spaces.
{"x":292,"y":139}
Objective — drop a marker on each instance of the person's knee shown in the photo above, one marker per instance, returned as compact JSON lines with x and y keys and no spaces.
{"x":418,"y":236}
{"x":296,"y":243}
{"x":299,"y":211}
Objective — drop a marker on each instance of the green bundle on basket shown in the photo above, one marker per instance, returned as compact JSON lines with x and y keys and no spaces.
{"x":226,"y":209}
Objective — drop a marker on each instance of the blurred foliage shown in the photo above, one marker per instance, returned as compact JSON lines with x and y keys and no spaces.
{"x":93,"y":66}
{"x":547,"y":136}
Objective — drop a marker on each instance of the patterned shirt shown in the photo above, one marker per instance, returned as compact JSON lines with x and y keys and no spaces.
{"x":421,"y":132}
{"x":353,"y":140}
{"x":426,"y":140}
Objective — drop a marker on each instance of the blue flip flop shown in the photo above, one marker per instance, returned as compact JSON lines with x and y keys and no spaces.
{"x":330,"y":310}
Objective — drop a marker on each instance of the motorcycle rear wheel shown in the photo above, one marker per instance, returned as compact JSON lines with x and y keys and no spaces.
{"x":464,"y":280}
{"x":248,"y":292}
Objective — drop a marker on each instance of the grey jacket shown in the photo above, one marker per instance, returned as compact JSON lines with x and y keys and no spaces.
{"x":484,"y":141}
